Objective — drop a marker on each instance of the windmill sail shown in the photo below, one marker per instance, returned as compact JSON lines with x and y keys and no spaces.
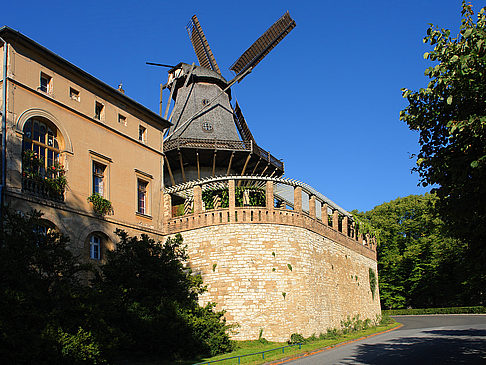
{"x":201,"y":46}
{"x":258,"y":50}
{"x":241,"y":125}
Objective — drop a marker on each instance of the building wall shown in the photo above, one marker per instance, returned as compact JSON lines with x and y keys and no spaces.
{"x":84,"y":139}
{"x":246,"y":269}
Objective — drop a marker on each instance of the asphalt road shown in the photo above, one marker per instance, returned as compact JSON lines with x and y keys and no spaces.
{"x":434,"y":339}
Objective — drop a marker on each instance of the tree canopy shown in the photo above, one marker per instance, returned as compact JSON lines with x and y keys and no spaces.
{"x":419,"y":265}
{"x":143,"y":301}
{"x":450,"y":115}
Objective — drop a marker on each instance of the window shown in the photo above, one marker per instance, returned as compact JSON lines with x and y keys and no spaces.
{"x":45,"y":83}
{"x":142,"y":196}
{"x":98,"y":178}
{"x":99,"y":108}
{"x":142,"y":134}
{"x":122,"y":119}
{"x":41,"y":149}
{"x":207,"y":127}
{"x":74,"y":94}
{"x":95,"y":247}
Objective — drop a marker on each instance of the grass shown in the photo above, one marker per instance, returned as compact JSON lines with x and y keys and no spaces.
{"x":249,"y":347}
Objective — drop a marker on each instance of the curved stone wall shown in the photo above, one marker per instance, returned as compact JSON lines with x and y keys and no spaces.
{"x":282,"y":278}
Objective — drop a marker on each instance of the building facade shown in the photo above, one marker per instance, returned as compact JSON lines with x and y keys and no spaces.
{"x":64,"y":127}
{"x":275,"y":254}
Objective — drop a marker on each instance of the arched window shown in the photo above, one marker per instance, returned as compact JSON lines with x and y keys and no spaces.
{"x":95,"y":247}
{"x":42,"y":170}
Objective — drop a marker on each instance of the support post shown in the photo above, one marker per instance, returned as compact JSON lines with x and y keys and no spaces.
{"x":335,"y":220}
{"x":345,"y":226}
{"x":269,"y":196}
{"x":298,"y":199}
{"x":232,"y":199}
{"x":197,"y":191}
{"x":312,"y":206}
{"x":324,"y":216}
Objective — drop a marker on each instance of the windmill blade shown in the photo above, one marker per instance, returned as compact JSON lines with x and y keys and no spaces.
{"x":201,"y":46}
{"x":241,"y":124}
{"x":258,"y":50}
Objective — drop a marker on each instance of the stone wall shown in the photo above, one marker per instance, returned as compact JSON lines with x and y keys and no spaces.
{"x":281,"y":278}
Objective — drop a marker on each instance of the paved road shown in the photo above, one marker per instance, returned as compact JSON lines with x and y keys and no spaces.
{"x":437,"y":339}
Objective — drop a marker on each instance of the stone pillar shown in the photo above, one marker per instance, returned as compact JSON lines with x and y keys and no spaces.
{"x":298,"y":199}
{"x":269,"y":195}
{"x":197,"y":192}
{"x":324,"y":216}
{"x":345,"y":226}
{"x":360,"y":238}
{"x":335,"y":220}
{"x":312,"y":206}
{"x":232,"y":199}
{"x":167,"y":208}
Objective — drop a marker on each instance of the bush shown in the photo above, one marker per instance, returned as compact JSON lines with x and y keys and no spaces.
{"x":296,"y":338}
{"x":150,"y":302}
{"x":448,"y":310}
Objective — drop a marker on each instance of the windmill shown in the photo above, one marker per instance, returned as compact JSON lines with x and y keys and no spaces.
{"x":209,"y":135}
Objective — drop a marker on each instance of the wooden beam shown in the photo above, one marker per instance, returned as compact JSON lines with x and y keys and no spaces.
{"x":265,"y":169}
{"x":214,"y":161}
{"x":244,"y":167}
{"x":254,"y":169}
{"x":274,"y":171}
{"x":170,"y":170}
{"x":198,"y":168}
{"x":182,"y":167}
{"x":229,"y":165}
{"x":160,"y":103}
{"x":170,"y":98}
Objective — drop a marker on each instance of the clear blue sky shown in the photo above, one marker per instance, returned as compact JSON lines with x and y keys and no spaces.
{"x":326,"y":100}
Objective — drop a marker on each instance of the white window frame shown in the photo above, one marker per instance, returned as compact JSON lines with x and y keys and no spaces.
{"x":142,"y":134}
{"x":48,"y":87}
{"x":95,"y":247}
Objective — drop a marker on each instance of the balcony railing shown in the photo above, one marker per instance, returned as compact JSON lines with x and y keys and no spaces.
{"x":40,"y":189}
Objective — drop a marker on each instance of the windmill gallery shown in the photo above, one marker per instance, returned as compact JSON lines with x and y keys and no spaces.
{"x":276,"y":254}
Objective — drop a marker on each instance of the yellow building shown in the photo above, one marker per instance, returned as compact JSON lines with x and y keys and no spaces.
{"x":62,"y":124}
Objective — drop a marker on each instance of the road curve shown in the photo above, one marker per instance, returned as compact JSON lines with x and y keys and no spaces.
{"x":431,"y":339}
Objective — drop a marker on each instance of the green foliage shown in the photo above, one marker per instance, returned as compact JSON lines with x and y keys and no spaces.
{"x":289,"y":267}
{"x":143,"y":301}
{"x":39,"y":291}
{"x":373,"y":282}
{"x":296,"y":338}
{"x":53,"y":178}
{"x":284,"y":294}
{"x":214,"y":267}
{"x":153,"y":301}
{"x":262,"y":339}
{"x":447,"y":310}
{"x":80,"y":348}
{"x":419,"y":264}
{"x":101,"y":206}
{"x":450,"y":115}
{"x":256,"y":197}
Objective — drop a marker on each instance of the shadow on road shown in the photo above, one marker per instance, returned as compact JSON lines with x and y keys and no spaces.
{"x":435,"y":347}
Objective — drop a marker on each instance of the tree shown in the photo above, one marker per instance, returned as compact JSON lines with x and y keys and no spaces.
{"x":41,"y":296}
{"x":450,"y":114}
{"x":419,"y":265}
{"x":148,"y":302}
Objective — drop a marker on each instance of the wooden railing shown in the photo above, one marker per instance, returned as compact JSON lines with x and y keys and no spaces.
{"x":342,"y":229}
